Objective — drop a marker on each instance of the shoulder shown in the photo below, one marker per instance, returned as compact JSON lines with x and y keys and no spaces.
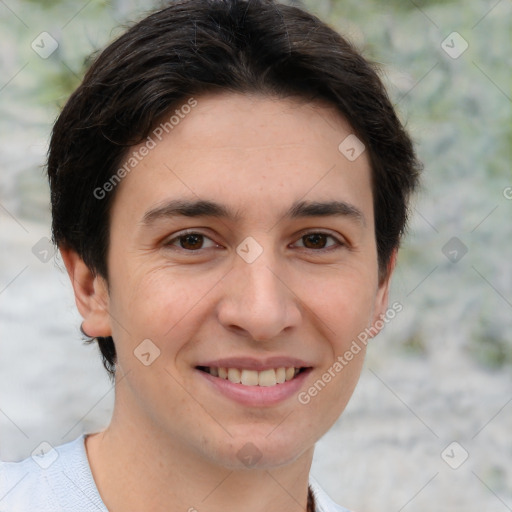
{"x":57,"y":479}
{"x":322,"y":501}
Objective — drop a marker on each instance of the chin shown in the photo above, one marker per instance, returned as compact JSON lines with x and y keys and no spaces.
{"x":261,"y":452}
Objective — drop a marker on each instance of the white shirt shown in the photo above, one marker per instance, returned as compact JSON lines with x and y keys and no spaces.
{"x":61,"y":481}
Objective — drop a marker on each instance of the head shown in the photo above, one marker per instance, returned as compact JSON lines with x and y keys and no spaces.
{"x":266,"y":135}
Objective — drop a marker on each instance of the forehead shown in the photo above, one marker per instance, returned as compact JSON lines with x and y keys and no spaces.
{"x":252,"y":122}
{"x":248,"y":150}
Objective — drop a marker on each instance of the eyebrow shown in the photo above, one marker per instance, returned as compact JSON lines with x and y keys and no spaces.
{"x":206,"y":208}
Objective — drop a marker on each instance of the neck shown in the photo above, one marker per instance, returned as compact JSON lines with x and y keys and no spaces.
{"x":137,"y":467}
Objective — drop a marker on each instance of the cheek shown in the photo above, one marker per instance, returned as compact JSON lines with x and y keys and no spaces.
{"x":344,"y":302}
{"x":162,"y":304}
{"x":327,"y":396}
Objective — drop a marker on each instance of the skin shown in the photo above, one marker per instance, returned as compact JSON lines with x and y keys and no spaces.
{"x":172,"y":443}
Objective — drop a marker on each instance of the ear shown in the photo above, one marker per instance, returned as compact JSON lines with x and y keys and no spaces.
{"x":91,"y":295}
{"x":381,"y":298}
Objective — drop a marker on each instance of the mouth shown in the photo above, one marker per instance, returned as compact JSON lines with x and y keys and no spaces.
{"x":248,"y":377}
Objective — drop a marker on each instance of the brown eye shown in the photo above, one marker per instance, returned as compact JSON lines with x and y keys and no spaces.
{"x":315,"y":240}
{"x":319,"y":241}
{"x":191,"y":241}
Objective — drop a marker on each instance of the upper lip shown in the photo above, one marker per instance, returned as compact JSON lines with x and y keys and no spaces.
{"x":250,"y":363}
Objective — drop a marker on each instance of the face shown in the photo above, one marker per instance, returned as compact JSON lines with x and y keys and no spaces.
{"x":242,"y":243}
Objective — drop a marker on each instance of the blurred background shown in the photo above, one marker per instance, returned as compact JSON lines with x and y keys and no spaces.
{"x":430,"y":423}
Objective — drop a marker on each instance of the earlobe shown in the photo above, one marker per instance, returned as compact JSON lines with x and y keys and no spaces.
{"x":91,"y":294}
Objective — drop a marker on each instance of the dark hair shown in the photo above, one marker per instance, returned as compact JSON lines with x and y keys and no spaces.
{"x":199,"y":46}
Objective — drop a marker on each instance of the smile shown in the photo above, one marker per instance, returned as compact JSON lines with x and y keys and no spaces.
{"x":247,"y":377}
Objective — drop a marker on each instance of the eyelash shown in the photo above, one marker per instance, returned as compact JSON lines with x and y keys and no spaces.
{"x":338,"y":245}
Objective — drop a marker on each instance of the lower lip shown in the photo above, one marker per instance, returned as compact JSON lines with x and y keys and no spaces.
{"x":257,"y":396}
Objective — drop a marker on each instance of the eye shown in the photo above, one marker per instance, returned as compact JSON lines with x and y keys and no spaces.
{"x":193,"y":241}
{"x":318,"y":241}
{"x":190,"y":241}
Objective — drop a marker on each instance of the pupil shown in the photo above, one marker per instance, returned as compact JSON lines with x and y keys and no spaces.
{"x":317,"y":239}
{"x":192,"y":241}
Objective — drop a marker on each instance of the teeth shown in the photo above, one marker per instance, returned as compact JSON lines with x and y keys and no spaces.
{"x":265,"y":378}
{"x":281,"y":375}
{"x":234,"y":375}
{"x":249,"y":377}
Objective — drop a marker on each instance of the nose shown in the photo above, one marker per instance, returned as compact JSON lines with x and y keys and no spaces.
{"x":256,"y":301}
